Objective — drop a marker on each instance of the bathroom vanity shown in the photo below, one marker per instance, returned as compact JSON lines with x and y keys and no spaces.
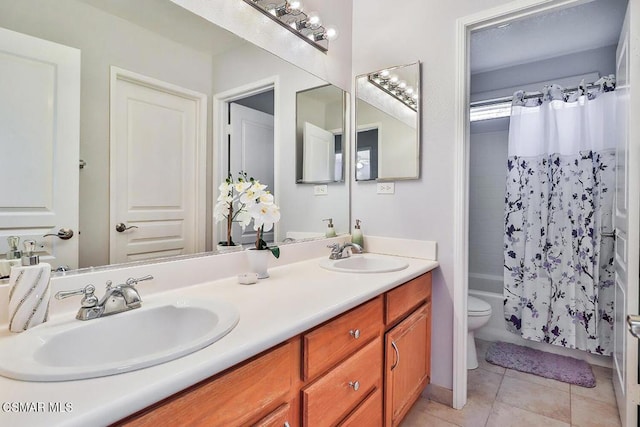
{"x":303,"y":336}
{"x":364,"y":367}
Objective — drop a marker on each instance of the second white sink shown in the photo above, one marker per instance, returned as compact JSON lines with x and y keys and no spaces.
{"x":365,"y":263}
{"x":162,"y":330}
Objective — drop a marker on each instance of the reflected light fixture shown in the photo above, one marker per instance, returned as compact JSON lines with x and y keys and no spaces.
{"x":395,"y":87}
{"x":290,"y":15}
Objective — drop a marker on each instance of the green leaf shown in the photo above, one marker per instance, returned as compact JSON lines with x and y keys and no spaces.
{"x":275,"y":251}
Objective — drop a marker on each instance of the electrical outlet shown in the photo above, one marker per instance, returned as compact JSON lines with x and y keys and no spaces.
{"x":386,"y":187}
{"x":320,"y":190}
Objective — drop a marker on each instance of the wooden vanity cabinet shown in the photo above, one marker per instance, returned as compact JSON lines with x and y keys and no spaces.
{"x":407,"y":347}
{"x":262,"y":391}
{"x":365,"y":367}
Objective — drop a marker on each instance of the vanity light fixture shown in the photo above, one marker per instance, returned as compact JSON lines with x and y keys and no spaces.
{"x":395,"y":87}
{"x":289,"y":14}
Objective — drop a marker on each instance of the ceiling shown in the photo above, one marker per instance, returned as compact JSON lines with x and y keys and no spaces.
{"x":588,"y":26}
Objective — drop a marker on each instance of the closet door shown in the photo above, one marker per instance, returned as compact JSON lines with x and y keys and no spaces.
{"x":40,"y":139}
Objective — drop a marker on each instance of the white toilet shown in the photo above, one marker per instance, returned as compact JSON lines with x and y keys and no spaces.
{"x":478,"y":314}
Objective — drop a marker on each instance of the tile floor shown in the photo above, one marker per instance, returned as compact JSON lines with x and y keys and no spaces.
{"x":499,"y":397}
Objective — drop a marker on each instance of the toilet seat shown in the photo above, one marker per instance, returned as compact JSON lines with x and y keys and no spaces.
{"x":477,"y":307}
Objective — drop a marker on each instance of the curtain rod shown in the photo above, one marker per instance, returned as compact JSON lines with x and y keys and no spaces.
{"x":528,"y":95}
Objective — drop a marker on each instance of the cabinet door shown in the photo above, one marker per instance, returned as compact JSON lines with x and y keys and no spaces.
{"x":407,"y":363}
{"x":233,"y":398}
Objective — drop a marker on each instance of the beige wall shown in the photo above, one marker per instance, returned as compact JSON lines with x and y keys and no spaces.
{"x":421,"y":209}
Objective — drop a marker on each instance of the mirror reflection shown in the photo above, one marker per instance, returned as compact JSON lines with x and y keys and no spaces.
{"x":387,"y":124}
{"x":152,"y":93}
{"x":320,"y":114}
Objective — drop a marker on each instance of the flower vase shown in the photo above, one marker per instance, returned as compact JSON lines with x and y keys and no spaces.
{"x":259,"y":262}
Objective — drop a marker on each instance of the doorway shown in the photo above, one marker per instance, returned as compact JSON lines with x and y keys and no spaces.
{"x":251,"y":148}
{"x":245,"y":134}
{"x":499,"y":17}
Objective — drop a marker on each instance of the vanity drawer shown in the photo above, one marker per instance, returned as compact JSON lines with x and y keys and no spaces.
{"x":334,"y":341}
{"x":236,"y":397}
{"x":283,"y":416}
{"x":402,"y":300}
{"x":333,"y":396}
{"x":369,"y":413}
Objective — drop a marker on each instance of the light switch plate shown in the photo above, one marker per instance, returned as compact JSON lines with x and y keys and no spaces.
{"x":320,"y":190}
{"x":386,"y":187}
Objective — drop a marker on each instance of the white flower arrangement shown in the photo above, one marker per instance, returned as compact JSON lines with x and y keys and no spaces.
{"x":244,"y":200}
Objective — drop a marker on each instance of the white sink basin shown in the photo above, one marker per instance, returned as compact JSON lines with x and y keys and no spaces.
{"x":365,"y":263}
{"x":162,"y":329}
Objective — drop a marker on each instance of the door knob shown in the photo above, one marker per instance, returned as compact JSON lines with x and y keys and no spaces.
{"x":121,"y":227}
{"x":63,"y":233}
{"x":633,"y":320}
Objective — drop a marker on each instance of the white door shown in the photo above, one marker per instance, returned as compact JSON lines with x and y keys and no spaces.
{"x":158,"y":137}
{"x":251,"y":151}
{"x":627,"y":217}
{"x":40,"y":139}
{"x":319,"y":154}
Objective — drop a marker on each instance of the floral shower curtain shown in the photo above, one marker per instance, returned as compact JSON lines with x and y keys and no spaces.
{"x":558,"y":266}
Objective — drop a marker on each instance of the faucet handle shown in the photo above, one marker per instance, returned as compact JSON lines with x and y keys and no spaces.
{"x":334,"y":247}
{"x":131,"y":281}
{"x":89,"y":300}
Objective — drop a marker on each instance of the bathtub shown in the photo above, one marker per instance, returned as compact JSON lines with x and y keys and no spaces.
{"x":496,"y":329}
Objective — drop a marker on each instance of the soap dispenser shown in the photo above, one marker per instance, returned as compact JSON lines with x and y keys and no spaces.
{"x":331,"y":232}
{"x":357,"y":236}
{"x":29,"y":291}
{"x":13,"y":258}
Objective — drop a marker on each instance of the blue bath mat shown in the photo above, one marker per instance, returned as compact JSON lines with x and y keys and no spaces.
{"x":541,"y":363}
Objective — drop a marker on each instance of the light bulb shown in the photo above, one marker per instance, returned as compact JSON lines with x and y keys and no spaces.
{"x":415,"y":96}
{"x":294,"y":7}
{"x":313,"y":20}
{"x":409,"y":90}
{"x":384,"y":74}
{"x":393,"y":80}
{"x":402,"y":84}
{"x":331,"y":33}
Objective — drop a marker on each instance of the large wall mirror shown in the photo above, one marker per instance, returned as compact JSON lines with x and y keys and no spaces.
{"x":320,"y":116}
{"x":153,"y":52}
{"x":388,"y":124}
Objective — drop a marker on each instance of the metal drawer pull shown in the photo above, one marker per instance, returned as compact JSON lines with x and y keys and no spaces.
{"x":355,"y":333}
{"x":395,"y":347}
{"x":286,"y":424}
{"x":354,"y":384}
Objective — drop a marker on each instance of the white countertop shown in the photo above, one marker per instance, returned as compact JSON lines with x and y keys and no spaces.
{"x":294,"y":299}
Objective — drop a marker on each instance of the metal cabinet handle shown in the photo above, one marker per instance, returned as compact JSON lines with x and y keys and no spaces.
{"x":63,"y":233}
{"x":286,"y":424}
{"x":355,"y":385}
{"x":355,"y":333}
{"x":395,"y":348}
{"x":120,"y":227}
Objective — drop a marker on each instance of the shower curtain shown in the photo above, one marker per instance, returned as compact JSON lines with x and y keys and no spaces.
{"x":558,"y":266}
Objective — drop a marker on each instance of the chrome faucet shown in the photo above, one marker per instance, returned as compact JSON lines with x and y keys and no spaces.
{"x":116,"y":299}
{"x":341,"y":251}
